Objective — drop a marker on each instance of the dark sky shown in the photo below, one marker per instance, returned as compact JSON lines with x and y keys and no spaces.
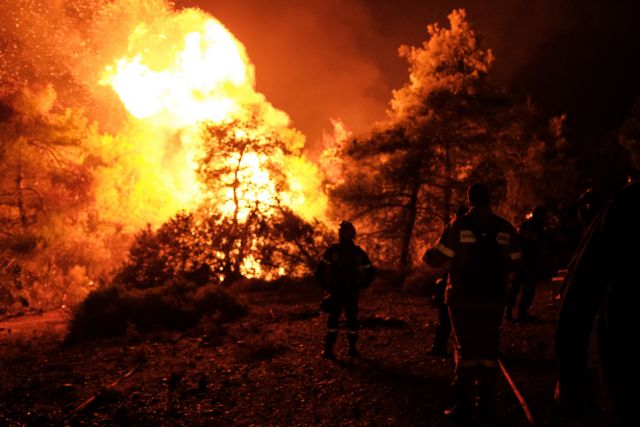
{"x":322,"y":59}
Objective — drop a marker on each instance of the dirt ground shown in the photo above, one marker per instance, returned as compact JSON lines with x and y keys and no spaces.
{"x":266,"y":370}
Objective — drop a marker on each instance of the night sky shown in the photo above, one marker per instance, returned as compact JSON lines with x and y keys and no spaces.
{"x":322,"y":59}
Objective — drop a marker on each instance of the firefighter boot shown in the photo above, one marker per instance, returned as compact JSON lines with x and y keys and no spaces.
{"x":353,"y":339}
{"x":462,"y":410}
{"x":329,"y":341}
{"x":487,"y":393}
{"x":508,"y":314}
{"x":440,"y":341}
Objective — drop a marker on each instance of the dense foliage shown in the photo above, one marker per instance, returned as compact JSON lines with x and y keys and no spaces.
{"x":447,"y":127}
{"x":205,"y":247}
{"x":178,"y":304}
{"x":52,"y":240}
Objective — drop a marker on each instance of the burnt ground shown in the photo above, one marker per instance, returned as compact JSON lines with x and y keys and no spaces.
{"x":265,"y":370}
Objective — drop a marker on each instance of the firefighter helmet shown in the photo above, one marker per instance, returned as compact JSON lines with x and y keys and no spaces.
{"x":347,"y":230}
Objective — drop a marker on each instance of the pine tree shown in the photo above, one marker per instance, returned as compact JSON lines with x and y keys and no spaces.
{"x":447,"y":127}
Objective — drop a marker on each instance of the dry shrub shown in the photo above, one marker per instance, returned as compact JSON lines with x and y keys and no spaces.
{"x":101,"y":314}
{"x":203,"y":246}
{"x":177,"y":305}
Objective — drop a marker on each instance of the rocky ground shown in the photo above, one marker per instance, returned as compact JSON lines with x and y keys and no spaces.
{"x":265,"y":370}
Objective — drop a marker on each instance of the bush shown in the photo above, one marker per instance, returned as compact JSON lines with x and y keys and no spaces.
{"x":204,"y":246}
{"x":101,"y":314}
{"x":177,"y":305}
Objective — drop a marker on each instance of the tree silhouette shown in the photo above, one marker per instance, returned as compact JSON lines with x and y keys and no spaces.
{"x":448,"y":126}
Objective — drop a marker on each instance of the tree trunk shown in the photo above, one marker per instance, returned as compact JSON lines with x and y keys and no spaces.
{"x":20,"y":194}
{"x":231,"y":267}
{"x":448,"y":186}
{"x":411,"y":213}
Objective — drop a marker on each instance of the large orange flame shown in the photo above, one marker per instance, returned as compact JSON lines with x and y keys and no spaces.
{"x":192,"y":71}
{"x":186,"y":69}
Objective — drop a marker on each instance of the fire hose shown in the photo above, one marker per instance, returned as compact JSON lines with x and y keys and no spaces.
{"x":519,"y":396}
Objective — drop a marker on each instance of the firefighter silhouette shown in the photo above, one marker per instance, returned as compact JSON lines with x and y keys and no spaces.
{"x":602,"y":284}
{"x":343,"y":271}
{"x":443,"y":330}
{"x":533,"y":238}
{"x":589,"y":205}
{"x":478,"y":249}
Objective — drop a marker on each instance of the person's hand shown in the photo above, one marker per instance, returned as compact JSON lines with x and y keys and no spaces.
{"x":573,"y":397}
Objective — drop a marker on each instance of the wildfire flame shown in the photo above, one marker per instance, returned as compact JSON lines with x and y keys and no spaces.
{"x":188,"y":69}
{"x":197,"y":71}
{"x":107,"y":124}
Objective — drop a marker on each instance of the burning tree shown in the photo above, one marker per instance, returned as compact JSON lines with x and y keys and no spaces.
{"x":155,"y":120}
{"x":245,"y":166}
{"x":448,"y":126}
{"x":244,"y":226}
{"x":45,"y":190}
{"x":253,"y":195}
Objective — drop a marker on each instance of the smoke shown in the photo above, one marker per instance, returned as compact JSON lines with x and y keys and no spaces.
{"x":313,"y":59}
{"x":327,"y":59}
{"x":321,"y":60}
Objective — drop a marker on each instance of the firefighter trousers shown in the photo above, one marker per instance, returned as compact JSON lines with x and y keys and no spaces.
{"x":347,"y":303}
{"x":476,"y":332}
{"x":443,"y":330}
{"x":527,"y":282}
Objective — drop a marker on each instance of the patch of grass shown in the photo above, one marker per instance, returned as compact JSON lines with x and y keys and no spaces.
{"x":176,"y":306}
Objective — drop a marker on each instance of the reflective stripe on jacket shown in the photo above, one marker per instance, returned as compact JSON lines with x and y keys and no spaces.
{"x":453,"y":246}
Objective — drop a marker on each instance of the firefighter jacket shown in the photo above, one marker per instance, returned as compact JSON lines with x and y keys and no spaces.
{"x":345,"y":268}
{"x":533,"y":238}
{"x":454,"y":248}
{"x":603,"y":280}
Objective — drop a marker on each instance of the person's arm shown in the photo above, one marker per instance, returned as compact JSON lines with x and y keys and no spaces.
{"x":441,"y":254}
{"x":367,"y":271}
{"x":515,"y":249}
{"x":583,"y":294}
{"x":323,"y":271}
